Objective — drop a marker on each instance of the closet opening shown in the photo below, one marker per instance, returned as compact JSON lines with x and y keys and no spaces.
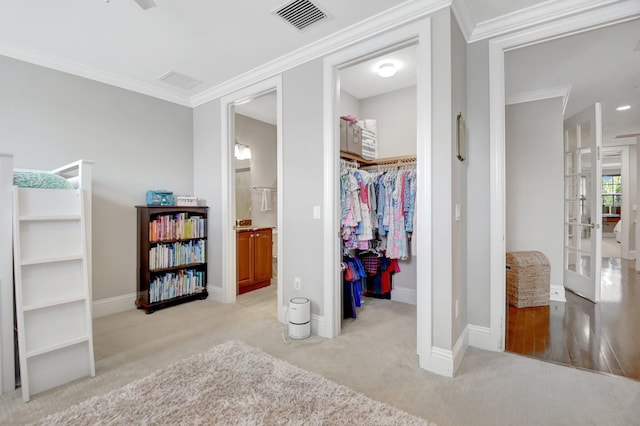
{"x":377,"y":114}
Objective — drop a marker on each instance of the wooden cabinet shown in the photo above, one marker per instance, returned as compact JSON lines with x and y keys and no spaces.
{"x":253,"y":259}
{"x":172,"y":260}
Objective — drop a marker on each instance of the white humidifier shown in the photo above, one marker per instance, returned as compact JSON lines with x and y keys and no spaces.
{"x":299,"y":318}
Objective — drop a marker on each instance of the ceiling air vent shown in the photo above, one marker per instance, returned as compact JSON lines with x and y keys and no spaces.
{"x":300,"y":13}
{"x":179,"y":80}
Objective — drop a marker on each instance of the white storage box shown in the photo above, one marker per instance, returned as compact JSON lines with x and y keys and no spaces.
{"x":186,"y":201}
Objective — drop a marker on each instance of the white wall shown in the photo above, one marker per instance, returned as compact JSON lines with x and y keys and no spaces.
{"x":262,"y":139}
{"x":349,"y":105}
{"x":478,"y":185}
{"x":49,"y":118}
{"x":303,"y":183}
{"x":459,"y":178}
{"x":442,"y":187}
{"x":207,"y":177}
{"x":535,"y":194}
{"x":395,"y":113}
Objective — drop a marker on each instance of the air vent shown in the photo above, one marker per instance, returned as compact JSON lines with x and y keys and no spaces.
{"x":179,"y":80}
{"x":300,"y":13}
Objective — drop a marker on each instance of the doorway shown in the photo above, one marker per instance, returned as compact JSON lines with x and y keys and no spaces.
{"x":419,"y":32}
{"x":255,"y":151}
{"x":577,"y":332}
{"x":252,"y":128}
{"x":377,"y":109}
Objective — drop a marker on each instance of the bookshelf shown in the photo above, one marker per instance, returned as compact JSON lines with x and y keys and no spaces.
{"x":172,"y":256}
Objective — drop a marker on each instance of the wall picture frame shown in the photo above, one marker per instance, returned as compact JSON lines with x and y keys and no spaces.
{"x":461,"y":138}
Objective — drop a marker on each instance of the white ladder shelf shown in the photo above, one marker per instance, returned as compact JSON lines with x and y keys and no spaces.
{"x":53,"y":302}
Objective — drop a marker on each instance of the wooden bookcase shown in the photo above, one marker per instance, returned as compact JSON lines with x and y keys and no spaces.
{"x":172,"y":257}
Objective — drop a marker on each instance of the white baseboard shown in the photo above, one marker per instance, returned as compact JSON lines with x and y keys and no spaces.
{"x":126,"y":302}
{"x":556,"y":293}
{"x":216,"y":293}
{"x":441,"y":362}
{"x":404,"y":295}
{"x":446,"y":362}
{"x":459,"y":349}
{"x":113,"y":305}
{"x":319,"y":326}
{"x":481,"y":337}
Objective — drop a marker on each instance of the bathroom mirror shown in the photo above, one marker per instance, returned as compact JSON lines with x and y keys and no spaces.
{"x":243,"y":189}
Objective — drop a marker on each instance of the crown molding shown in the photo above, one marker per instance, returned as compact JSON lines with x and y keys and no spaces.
{"x":406,"y":12}
{"x":463,"y":16}
{"x":539,"y":95}
{"x":54,"y":62}
{"x":533,"y":15}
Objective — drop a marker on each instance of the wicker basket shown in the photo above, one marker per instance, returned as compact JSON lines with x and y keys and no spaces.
{"x":528,"y":279}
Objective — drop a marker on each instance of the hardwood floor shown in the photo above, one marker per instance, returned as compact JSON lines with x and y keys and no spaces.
{"x":602,"y":337}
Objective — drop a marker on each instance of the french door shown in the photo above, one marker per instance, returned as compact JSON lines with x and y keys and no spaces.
{"x":583,"y":202}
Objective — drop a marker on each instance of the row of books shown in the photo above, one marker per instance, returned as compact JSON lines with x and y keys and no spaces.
{"x":177,"y":254}
{"x":172,"y":285}
{"x":179,"y":226}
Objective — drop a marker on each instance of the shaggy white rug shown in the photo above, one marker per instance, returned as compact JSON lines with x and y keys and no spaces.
{"x":232,"y":383}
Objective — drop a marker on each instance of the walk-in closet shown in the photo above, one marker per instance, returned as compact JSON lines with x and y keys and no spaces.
{"x":378,"y":183}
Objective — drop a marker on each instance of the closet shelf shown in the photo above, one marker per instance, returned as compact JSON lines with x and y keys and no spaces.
{"x":387,"y":161}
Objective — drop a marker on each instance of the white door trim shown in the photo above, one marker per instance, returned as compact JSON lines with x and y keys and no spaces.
{"x":421,"y":32}
{"x":615,"y":13}
{"x":227,"y":199}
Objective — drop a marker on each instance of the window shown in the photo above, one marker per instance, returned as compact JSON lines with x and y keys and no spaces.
{"x":611,"y":194}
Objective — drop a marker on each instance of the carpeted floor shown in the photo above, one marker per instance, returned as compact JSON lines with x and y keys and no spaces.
{"x":375,"y":356}
{"x":232,"y":383}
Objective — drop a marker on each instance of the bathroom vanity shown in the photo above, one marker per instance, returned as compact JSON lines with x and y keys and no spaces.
{"x":253,"y":258}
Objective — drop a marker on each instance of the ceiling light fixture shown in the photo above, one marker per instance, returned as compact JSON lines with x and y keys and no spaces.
{"x":387,"y":70}
{"x":623,"y":108}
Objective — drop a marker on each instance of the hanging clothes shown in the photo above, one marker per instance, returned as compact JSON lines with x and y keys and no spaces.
{"x":377,"y":221}
{"x":352,"y":286}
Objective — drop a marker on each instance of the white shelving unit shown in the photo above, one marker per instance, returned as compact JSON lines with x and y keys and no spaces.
{"x":53,"y":298}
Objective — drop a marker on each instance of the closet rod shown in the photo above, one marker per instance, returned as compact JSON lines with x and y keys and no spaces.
{"x":265,"y":187}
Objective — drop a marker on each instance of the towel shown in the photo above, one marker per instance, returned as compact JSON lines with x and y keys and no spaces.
{"x":266,"y":200}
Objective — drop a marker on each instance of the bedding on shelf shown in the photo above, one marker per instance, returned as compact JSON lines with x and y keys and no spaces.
{"x":40,"y":179}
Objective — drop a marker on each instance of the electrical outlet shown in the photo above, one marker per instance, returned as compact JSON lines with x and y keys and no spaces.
{"x":296,"y":283}
{"x":457,"y":307}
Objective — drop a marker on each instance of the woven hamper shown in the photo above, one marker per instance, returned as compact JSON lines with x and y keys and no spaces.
{"x":528,"y":276}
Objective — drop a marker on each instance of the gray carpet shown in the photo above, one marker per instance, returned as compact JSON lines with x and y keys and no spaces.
{"x":232,"y":383}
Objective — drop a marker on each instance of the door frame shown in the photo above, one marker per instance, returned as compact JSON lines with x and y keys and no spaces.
{"x":601,"y":17}
{"x":228,"y":214}
{"x":419,"y":31}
